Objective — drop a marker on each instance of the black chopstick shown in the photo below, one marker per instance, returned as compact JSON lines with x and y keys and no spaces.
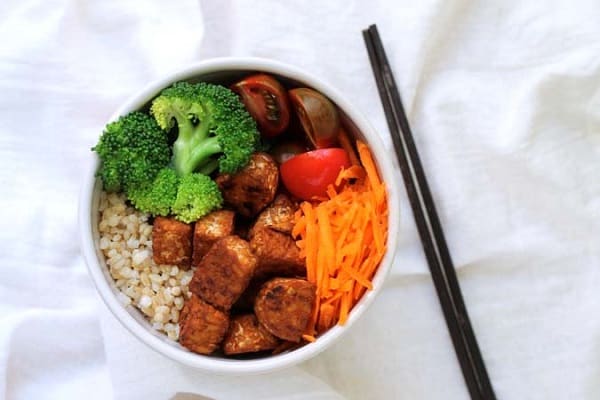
{"x":428,"y":225}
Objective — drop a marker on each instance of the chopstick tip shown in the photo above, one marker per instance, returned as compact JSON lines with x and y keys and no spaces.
{"x":370,"y":28}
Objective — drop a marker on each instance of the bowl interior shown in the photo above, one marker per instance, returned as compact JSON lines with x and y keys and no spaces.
{"x":227,"y":71}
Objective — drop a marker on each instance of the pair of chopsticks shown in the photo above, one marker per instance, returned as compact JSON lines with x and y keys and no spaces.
{"x":428,"y":225}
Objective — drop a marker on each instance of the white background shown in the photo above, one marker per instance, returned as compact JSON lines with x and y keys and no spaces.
{"x":504,"y":100}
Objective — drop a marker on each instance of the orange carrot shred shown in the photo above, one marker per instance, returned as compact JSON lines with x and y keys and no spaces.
{"x":347,"y":145}
{"x":354,"y":172}
{"x":368,"y":163}
{"x":343,"y":239}
{"x":344,"y":308}
{"x":309,"y":338}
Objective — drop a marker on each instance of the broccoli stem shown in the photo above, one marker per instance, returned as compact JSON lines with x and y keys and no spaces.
{"x":193,"y":148}
{"x":208,"y":167}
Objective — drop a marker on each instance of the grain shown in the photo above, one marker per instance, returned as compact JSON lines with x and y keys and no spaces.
{"x":158,"y":291}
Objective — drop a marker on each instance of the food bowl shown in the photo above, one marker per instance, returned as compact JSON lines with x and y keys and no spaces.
{"x":225,"y":71}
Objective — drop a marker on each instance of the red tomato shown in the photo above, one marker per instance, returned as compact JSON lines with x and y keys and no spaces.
{"x":308,"y":174}
{"x":318,"y":116}
{"x":267,"y":102}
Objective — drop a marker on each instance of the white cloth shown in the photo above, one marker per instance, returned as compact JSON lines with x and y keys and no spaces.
{"x":504,"y":100}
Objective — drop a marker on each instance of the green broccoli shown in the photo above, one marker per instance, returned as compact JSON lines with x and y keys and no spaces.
{"x":158,"y":196}
{"x":214,"y":131}
{"x":132,"y":150}
{"x":198,"y":195}
{"x":188,"y":198}
{"x":214,"y":127}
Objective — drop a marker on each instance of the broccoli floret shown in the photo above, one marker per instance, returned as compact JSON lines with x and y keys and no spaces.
{"x":197,"y":196}
{"x":214,"y":127}
{"x":132,"y":150}
{"x":158,"y":196}
{"x":214,"y":131}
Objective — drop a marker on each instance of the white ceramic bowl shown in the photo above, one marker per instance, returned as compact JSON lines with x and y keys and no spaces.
{"x":226,"y":70}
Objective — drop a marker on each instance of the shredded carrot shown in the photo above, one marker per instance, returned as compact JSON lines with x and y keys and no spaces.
{"x":344,"y":308}
{"x":354,"y":172}
{"x":309,"y":338}
{"x":343,"y":238}
{"x":346,"y":144}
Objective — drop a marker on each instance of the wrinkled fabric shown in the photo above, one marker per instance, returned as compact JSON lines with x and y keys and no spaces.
{"x":503,"y":100}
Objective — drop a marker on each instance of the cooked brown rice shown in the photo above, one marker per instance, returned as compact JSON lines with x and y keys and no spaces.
{"x":158,"y":291}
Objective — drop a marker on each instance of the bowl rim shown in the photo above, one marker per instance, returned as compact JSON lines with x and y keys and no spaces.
{"x":388,"y":171}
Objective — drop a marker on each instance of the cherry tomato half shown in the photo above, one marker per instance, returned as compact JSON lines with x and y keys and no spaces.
{"x":308,"y":174}
{"x":318,"y":116}
{"x":267,"y":102}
